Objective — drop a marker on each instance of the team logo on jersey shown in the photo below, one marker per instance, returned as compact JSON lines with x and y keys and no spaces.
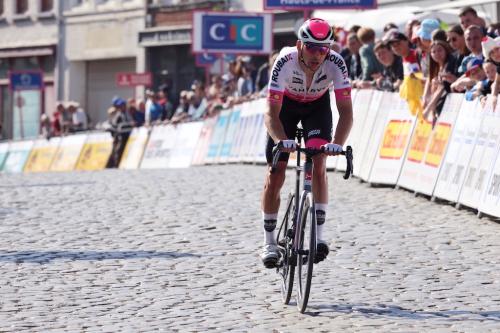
{"x":314,"y":132}
{"x":274,"y":85}
{"x":339,"y":62}
{"x":297,"y":80}
{"x":279,"y":65}
{"x":321,"y":78}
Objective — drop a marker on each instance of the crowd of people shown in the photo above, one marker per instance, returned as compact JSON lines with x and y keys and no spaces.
{"x":426,"y":56}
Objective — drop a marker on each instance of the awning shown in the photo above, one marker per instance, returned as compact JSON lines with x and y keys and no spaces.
{"x":460,"y":4}
{"x":26,"y":52}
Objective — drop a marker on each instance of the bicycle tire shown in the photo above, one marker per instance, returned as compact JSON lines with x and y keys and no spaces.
{"x":285,"y":269}
{"x":306,"y":251}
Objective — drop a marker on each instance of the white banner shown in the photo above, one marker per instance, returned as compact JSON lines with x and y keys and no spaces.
{"x":256,"y":135}
{"x":4,"y":151}
{"x":457,"y":158}
{"x":68,"y":152}
{"x":201,"y":149}
{"x":159,"y":147}
{"x":490,"y":202}
{"x":218,"y":136}
{"x":185,"y":143}
{"x":230,"y":137}
{"x":236,"y":148}
{"x":259,"y":152}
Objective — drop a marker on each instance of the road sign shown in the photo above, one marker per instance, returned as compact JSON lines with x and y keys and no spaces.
{"x":26,"y":80}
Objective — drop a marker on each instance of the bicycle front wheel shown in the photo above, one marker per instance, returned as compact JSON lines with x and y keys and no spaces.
{"x":286,"y":268}
{"x":306,"y":251}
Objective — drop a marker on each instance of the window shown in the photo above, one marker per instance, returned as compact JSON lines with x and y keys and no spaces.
{"x":46,"y":6}
{"x":21,"y":6}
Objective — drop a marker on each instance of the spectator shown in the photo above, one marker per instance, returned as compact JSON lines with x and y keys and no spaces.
{"x":491,"y":51}
{"x":477,"y":71}
{"x":473,"y":36}
{"x":264,"y":72}
{"x":245,"y":84}
{"x":390,"y":26}
{"x":493,"y":30}
{"x":56,"y":123}
{"x":369,"y":63}
{"x":136,"y":116}
{"x":65,"y":117}
{"x":153,"y":110}
{"x":439,"y":35}
{"x":121,"y":126}
{"x":45,"y":126}
{"x":215,"y":88}
{"x":392,"y":72}
{"x":457,"y":43}
{"x":424,"y":40}
{"x":483,"y":88}
{"x":468,"y":17}
{"x":410,"y":28}
{"x":440,"y":78}
{"x":78,"y":117}
{"x":352,"y":58}
{"x":400,"y":45}
{"x":167,"y":108}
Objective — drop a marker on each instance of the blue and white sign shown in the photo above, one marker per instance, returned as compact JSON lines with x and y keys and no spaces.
{"x":206,"y":59}
{"x":320,"y":4}
{"x":26,"y":80}
{"x":218,"y":32}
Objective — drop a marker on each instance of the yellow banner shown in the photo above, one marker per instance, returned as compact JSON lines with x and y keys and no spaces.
{"x":395,"y":138}
{"x":94,"y":156}
{"x":65,"y":158}
{"x":437,"y":147}
{"x":40,"y":159}
{"x":126,"y":151}
{"x":419,"y":141}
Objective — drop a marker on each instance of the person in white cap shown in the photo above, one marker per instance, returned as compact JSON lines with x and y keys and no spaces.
{"x":491,"y":51}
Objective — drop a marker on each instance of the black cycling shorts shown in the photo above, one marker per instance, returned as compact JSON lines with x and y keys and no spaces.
{"x":316,"y":119}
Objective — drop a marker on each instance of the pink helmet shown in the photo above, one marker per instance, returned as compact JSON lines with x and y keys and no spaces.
{"x":316,"y":31}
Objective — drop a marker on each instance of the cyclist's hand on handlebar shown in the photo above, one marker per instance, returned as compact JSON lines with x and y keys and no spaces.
{"x":287,"y":146}
{"x":332,"y":148}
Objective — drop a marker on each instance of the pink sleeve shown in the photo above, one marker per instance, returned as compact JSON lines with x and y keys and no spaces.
{"x":343,"y":93}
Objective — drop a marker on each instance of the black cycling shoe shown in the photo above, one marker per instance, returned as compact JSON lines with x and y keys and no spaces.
{"x":322,"y":251}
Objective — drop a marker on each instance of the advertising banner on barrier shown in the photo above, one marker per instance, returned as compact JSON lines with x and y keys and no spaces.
{"x":4,"y":151}
{"x":397,"y":133}
{"x":185,"y":144}
{"x":378,"y":127}
{"x":259,"y":152}
{"x":230,"y":136}
{"x":42,"y":155}
{"x":226,"y":32}
{"x":361,"y":108}
{"x":95,"y":152}
{"x":490,"y":201}
{"x":68,"y":152}
{"x":483,"y":157}
{"x":17,"y":156}
{"x":159,"y":147}
{"x":452,"y":175}
{"x":420,"y":171}
{"x":201,"y":149}
{"x":256,"y":134}
{"x":249,"y":132}
{"x":132,"y":155}
{"x":237,"y":147}
{"x":218,"y":137}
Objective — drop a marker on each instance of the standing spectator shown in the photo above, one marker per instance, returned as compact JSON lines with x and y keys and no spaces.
{"x":215,"y":88}
{"x":491,"y":51}
{"x":440,"y":78}
{"x":153,"y":109}
{"x":410,"y":28}
{"x":400,"y":45}
{"x":167,"y":108}
{"x":263,"y":76}
{"x":369,"y":63}
{"x":477,"y":72}
{"x":78,"y":117}
{"x":65,"y":117}
{"x":423,"y":41}
{"x":456,"y":40}
{"x":468,"y":16}
{"x":473,"y":36}
{"x":493,"y":30}
{"x":245,"y":84}
{"x":45,"y":127}
{"x":352,"y":58}
{"x":136,"y":115}
{"x":392,"y":73}
{"x":121,"y":126}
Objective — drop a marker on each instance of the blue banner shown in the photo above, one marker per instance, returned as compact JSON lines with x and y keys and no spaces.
{"x":206,"y":59}
{"x":232,"y":32}
{"x":320,"y":4}
{"x":26,"y":80}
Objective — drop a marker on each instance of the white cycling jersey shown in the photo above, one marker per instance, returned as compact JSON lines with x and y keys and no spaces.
{"x":288,"y":78}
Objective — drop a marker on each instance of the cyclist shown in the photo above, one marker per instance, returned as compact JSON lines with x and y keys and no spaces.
{"x":298,"y":90}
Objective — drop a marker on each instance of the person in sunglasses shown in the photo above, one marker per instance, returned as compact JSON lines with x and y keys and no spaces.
{"x":298,"y":90}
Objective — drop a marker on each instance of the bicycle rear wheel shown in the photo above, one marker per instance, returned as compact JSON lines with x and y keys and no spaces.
{"x":286,"y":268}
{"x":306,"y":251}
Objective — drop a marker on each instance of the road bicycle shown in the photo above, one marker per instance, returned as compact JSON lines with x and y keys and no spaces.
{"x":297,"y":233}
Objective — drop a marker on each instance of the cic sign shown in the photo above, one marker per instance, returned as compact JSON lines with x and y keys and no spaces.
{"x":217,"y":32}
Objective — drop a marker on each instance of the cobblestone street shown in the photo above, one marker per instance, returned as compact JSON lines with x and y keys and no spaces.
{"x":178,"y":251}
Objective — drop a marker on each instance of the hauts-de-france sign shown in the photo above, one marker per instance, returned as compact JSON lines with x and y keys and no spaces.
{"x":217,"y":32}
{"x":320,"y":4}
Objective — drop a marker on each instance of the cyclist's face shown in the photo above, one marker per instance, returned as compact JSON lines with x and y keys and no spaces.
{"x":313,"y":55}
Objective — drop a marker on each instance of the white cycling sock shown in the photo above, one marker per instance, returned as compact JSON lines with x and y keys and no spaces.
{"x":320,"y":218}
{"x":269,"y":226}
